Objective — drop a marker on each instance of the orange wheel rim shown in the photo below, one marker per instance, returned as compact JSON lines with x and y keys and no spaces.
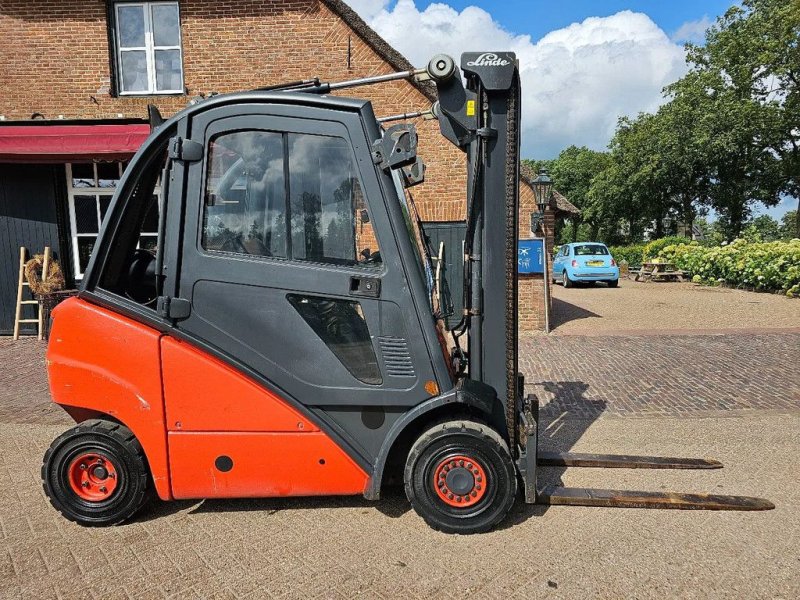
{"x":92,"y":477}
{"x":460,"y":481}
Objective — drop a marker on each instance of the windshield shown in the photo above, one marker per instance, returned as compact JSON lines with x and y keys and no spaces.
{"x":416,"y":234}
{"x":591,"y":250}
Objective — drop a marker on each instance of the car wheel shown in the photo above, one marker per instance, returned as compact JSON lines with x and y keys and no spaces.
{"x":460,"y":478}
{"x":566,"y":280}
{"x":96,"y":474}
{"x":613,"y":283}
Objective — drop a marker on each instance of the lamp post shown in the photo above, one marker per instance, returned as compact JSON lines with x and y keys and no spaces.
{"x":542,"y":189}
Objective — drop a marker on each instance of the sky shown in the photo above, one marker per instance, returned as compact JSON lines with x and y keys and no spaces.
{"x":584,"y":63}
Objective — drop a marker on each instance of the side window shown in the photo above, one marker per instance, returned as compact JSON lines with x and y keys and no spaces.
{"x":330,"y":222}
{"x":129,"y":268}
{"x":343,"y":328}
{"x":323,"y":219}
{"x":245,"y":195}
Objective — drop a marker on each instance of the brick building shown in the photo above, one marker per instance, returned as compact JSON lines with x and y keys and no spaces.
{"x":77,"y":76}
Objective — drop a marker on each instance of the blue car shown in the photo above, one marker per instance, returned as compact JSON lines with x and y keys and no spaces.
{"x":585,"y":261}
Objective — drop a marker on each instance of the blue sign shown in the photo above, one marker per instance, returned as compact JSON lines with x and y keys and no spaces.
{"x":530,"y":256}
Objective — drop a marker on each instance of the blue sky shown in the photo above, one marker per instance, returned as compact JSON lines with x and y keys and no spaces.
{"x":539,"y":17}
{"x":583,"y":63}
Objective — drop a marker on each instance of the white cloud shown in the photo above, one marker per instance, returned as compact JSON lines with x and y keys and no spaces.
{"x":368,"y":9}
{"x":577,"y":81}
{"x":692,"y":31}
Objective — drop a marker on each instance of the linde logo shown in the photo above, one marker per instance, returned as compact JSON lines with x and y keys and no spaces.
{"x":488,"y":59}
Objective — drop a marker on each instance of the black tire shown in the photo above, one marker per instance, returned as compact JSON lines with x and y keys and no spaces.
{"x":489,"y":452}
{"x":566,"y":280}
{"x":613,"y":283}
{"x":117,"y":448}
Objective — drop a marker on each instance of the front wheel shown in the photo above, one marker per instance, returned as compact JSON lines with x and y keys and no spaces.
{"x":96,"y":473}
{"x":460,"y":477}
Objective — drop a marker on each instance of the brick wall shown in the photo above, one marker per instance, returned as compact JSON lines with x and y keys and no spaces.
{"x":531,"y":287}
{"x":55,"y":61}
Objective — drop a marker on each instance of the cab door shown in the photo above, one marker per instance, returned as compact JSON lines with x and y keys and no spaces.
{"x":291,"y":279}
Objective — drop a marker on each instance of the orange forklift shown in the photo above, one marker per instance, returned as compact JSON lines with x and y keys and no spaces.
{"x":283,"y":334}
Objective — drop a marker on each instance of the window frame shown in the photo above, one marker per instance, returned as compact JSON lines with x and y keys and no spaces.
{"x":95,"y":191}
{"x":149,"y":48}
{"x":290,"y":258}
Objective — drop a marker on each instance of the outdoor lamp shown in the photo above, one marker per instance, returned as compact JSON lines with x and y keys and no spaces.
{"x":542,"y":188}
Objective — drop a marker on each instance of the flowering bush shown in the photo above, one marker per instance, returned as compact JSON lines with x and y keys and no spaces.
{"x":654,"y":248}
{"x":769,"y":266}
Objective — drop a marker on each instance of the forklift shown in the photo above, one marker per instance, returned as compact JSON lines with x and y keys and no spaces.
{"x":260,"y":318}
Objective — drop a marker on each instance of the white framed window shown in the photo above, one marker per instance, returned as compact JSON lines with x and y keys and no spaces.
{"x":149,"y":57}
{"x":90,"y":187}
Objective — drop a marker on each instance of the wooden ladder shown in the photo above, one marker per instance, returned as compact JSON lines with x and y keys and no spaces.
{"x":22,"y":284}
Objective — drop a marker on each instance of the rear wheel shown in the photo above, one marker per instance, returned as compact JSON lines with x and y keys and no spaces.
{"x":96,"y":474}
{"x":566,"y":280}
{"x":460,"y":478}
{"x":613,"y":283}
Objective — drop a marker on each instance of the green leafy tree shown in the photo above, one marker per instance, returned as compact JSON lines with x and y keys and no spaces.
{"x":743,"y":85}
{"x":789,"y":225}
{"x":572,"y":174}
{"x":762,"y":229}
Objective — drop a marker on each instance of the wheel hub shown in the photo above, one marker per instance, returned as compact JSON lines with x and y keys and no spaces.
{"x":92,"y":477}
{"x":460,"y":481}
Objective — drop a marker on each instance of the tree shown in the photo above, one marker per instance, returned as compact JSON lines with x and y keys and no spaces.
{"x":572,"y":174}
{"x":789,"y":225}
{"x":763,"y":229}
{"x":744,"y":82}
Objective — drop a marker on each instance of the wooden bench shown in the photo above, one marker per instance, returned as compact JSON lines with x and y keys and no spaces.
{"x":659,"y":271}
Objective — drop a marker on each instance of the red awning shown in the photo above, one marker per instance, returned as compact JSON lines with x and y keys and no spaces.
{"x":64,"y":143}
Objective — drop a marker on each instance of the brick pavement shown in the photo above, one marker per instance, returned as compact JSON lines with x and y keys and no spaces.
{"x":662,"y":375}
{"x":347,"y":547}
{"x":573,"y":376}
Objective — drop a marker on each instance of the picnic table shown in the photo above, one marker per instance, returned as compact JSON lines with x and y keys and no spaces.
{"x":658,"y":271}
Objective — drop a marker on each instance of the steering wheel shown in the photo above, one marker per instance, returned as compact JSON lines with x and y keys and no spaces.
{"x":141,"y":286}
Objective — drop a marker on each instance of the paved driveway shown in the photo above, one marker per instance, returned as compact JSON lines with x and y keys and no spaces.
{"x":668,"y":308}
{"x":732,"y":397}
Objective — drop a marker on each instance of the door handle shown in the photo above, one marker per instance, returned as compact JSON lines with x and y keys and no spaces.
{"x":365,"y":286}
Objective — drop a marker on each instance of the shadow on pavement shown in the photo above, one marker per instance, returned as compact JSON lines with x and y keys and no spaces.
{"x":564,"y":312}
{"x":159,"y":508}
{"x":562,"y":422}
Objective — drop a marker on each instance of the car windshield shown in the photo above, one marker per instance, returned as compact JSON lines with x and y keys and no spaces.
{"x":415,"y":233}
{"x":591,"y":250}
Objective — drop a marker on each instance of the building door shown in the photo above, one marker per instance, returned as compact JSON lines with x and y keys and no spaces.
{"x":28,"y":217}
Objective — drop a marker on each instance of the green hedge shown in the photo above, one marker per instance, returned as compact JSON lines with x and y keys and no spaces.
{"x":768,"y":266}
{"x":636,"y":254}
{"x":654,"y":248}
{"x":631,"y":254}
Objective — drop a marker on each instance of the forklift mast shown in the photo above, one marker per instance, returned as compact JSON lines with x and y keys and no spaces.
{"x":484,"y":121}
